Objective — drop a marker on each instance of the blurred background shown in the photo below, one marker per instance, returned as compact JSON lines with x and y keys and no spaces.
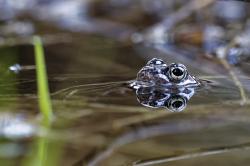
{"x":93,"y":50}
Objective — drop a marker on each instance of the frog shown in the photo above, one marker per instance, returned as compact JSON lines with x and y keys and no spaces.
{"x":159,"y":85}
{"x":157,"y":73}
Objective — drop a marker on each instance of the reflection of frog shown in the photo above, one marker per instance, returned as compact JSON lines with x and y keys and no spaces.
{"x":173,"y":99}
{"x":156,"y":73}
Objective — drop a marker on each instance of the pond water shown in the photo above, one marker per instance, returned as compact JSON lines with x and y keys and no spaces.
{"x":98,"y":119}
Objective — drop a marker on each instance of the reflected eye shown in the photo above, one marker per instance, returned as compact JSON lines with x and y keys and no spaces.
{"x":177,"y":72}
{"x":176,"y":104}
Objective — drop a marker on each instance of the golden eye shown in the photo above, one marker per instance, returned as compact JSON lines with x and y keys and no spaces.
{"x":177,"y":72}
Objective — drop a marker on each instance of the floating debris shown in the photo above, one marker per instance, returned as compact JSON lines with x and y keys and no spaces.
{"x":16,"y":68}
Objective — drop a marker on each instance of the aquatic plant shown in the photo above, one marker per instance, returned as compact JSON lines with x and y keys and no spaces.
{"x":42,"y":81}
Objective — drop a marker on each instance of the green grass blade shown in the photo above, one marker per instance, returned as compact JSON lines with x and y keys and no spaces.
{"x":42,"y":81}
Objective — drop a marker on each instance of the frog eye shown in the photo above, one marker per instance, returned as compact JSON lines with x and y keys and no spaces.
{"x":177,"y":72}
{"x":176,"y":103}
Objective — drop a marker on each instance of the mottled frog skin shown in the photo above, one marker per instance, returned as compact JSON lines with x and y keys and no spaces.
{"x":156,"y":73}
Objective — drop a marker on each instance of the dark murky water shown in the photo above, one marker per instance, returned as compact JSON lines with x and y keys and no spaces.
{"x":96,"y":114}
{"x":97,"y":117}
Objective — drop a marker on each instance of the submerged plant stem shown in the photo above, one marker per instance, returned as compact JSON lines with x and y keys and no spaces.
{"x":236,"y":81}
{"x":117,"y":124}
{"x":195,"y":155}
